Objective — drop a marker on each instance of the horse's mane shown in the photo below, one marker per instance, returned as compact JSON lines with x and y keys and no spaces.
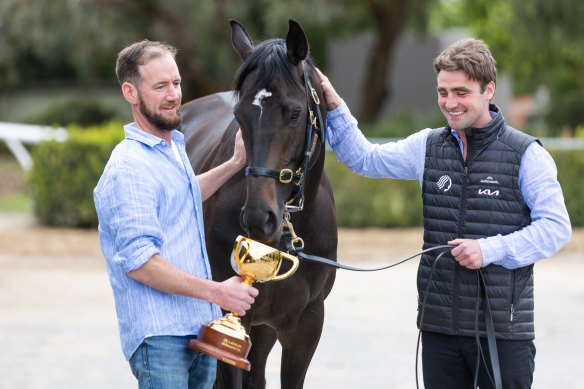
{"x":269,"y":58}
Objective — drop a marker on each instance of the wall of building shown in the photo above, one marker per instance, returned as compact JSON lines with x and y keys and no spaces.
{"x":412,"y":81}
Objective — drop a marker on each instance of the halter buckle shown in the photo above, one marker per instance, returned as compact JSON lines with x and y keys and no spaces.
{"x":286,"y":176}
{"x":312,"y":118}
{"x":314,"y":96}
{"x":300,"y":175}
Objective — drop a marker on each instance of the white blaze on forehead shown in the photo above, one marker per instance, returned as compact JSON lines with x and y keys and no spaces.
{"x":260,"y":96}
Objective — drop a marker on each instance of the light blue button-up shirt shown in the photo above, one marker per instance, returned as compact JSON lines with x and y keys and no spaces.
{"x":550,"y":227}
{"x":148,"y":203}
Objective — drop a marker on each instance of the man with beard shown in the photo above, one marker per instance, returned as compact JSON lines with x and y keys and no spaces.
{"x":149,"y":205}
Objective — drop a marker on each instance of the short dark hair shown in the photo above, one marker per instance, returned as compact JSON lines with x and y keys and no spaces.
{"x":132,"y":57}
{"x":473,"y":57}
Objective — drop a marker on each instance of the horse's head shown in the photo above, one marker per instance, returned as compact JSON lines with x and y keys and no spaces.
{"x":274,"y":85}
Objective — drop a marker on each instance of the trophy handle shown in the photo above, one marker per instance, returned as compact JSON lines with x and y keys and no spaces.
{"x":295,"y":264}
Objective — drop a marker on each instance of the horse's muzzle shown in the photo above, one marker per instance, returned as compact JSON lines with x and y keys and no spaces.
{"x":259,"y":222}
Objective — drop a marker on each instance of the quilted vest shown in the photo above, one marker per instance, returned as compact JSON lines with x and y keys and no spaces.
{"x":474,"y":199}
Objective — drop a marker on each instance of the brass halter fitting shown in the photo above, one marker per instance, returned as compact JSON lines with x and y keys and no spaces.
{"x":295,"y":239}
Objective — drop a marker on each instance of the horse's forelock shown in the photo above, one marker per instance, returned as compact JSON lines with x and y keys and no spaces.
{"x":269,"y":58}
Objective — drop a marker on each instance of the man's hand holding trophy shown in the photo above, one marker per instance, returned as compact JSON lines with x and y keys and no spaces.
{"x":225,"y":338}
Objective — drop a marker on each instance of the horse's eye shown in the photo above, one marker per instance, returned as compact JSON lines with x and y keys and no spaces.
{"x":295,"y":115}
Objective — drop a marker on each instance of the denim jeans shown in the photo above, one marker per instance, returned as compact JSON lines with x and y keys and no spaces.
{"x":166,"y":362}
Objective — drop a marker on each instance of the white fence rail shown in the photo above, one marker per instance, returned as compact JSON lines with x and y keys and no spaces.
{"x":15,"y":135}
{"x":548,"y":143}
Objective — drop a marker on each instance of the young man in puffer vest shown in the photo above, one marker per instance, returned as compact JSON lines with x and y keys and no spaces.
{"x":489,"y":191}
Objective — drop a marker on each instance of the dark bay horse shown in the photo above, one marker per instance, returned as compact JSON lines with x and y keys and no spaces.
{"x":271,"y":104}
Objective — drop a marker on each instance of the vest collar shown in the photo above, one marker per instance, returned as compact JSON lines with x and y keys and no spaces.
{"x":486,"y":133}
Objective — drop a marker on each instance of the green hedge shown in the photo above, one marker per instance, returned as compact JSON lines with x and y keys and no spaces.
{"x":79,"y":110}
{"x":368,"y":202}
{"x":64,"y":174}
{"x":373,"y":202}
{"x":570,"y":173}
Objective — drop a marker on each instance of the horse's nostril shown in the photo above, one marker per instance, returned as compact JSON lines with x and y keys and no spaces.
{"x":270,"y":224}
{"x":259,"y":223}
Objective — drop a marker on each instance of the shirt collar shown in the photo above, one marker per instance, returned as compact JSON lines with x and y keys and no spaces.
{"x":132,"y":132}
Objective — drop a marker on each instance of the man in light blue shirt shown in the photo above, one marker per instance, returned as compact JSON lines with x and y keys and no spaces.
{"x":149,"y":205}
{"x":489,"y":191}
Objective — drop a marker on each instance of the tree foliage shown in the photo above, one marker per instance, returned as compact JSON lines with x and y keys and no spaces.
{"x":78,"y":40}
{"x":538,"y":42}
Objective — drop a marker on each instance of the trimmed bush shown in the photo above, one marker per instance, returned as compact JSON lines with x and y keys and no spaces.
{"x":368,"y":202}
{"x":373,"y":202}
{"x":570,"y":164}
{"x":76,"y":110}
{"x":64,"y":174}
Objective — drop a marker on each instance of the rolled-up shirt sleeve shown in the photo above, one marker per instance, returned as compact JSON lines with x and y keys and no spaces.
{"x":128,"y":207}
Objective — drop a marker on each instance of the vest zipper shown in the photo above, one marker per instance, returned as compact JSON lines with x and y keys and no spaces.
{"x":460,"y":235}
{"x":512,"y":307}
{"x":463,"y":198}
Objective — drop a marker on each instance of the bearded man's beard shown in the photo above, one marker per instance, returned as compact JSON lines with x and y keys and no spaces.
{"x":159,"y":121}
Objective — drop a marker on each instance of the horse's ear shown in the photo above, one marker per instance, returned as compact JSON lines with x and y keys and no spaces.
{"x":296,"y":43}
{"x":240,"y":39}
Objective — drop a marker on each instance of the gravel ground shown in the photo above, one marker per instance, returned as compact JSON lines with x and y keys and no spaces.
{"x":58,"y":327}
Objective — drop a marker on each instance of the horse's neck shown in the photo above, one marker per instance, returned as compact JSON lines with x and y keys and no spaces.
{"x":205,"y":121}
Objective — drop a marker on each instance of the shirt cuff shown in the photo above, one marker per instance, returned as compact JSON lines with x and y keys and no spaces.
{"x":337,"y":111}
{"x":136,"y":255}
{"x":492,"y":249}
{"x":339,"y":120}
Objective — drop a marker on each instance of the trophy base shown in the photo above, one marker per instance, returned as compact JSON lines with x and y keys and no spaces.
{"x":221,"y":346}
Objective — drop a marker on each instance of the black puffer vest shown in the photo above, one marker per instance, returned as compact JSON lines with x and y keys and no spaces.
{"x":474,"y":199}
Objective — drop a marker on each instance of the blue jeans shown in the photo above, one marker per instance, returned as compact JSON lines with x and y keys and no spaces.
{"x":166,"y":362}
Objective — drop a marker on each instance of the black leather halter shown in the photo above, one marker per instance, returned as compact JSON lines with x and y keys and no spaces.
{"x":315,"y":128}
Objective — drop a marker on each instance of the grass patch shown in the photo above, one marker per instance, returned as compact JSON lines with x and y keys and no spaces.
{"x":13,"y":196}
{"x":14,"y":203}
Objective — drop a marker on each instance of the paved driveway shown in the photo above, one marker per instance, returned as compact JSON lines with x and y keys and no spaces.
{"x":58,"y":327}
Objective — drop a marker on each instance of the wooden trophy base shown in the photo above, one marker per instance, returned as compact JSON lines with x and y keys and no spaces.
{"x":224,"y":347}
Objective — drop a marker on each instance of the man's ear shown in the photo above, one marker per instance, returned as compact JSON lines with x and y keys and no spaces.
{"x":490,"y":90}
{"x":130,"y":93}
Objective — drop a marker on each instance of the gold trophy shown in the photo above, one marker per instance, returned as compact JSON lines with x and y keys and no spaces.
{"x":225,"y":338}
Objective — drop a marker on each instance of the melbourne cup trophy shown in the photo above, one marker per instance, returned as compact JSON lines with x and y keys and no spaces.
{"x":225,"y":338}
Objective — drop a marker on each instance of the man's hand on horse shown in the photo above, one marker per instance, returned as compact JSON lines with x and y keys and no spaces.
{"x":333,"y":100}
{"x":239,"y":155}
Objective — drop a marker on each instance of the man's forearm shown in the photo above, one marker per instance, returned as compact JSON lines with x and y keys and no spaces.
{"x":162,"y":275}
{"x":213,"y":179}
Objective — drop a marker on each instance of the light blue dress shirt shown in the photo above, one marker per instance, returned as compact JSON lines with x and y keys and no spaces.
{"x":550,"y":227}
{"x":148,"y":203}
